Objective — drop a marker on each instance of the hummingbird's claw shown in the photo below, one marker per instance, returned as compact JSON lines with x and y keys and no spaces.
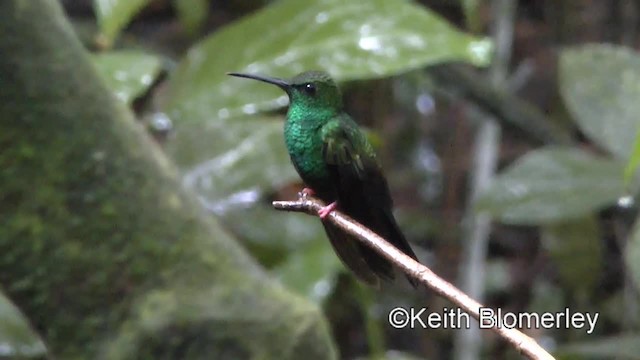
{"x":307,"y":192}
{"x":325,"y":211}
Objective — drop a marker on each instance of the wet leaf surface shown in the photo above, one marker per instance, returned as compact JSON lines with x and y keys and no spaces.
{"x":127,"y":73}
{"x":600,"y":85}
{"x":553,"y":184}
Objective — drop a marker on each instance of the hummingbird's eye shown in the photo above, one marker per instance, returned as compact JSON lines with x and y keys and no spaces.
{"x":310,"y":89}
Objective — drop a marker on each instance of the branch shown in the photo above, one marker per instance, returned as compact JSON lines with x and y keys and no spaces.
{"x":310,"y":205}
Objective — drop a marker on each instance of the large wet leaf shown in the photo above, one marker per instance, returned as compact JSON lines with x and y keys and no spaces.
{"x":358,"y":39}
{"x":576,"y":251}
{"x":553,"y":184}
{"x":114,"y":15}
{"x":625,"y":346}
{"x":601,"y":86}
{"x":127,"y":73}
{"x":228,"y":162}
{"x":17,"y":339}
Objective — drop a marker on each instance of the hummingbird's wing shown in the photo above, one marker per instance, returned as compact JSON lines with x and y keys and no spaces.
{"x":362,"y":189}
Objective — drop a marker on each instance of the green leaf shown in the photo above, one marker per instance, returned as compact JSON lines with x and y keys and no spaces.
{"x":311,"y":271}
{"x":114,"y":15}
{"x":625,"y":346}
{"x":223,"y":158}
{"x":17,"y":339}
{"x":576,"y":251}
{"x":231,"y":165}
{"x":359,"y":39}
{"x":600,"y":85}
{"x":632,"y":253}
{"x":192,"y":14}
{"x":127,"y":73}
{"x":553,"y":184}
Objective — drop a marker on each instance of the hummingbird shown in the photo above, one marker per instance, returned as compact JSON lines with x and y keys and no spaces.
{"x":338,"y":165}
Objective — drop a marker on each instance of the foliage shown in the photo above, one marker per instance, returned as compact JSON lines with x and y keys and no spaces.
{"x":235,"y":161}
{"x":548,"y":185}
{"x":17,"y":339}
{"x":563,"y":188}
{"x":128,"y":73}
{"x":114,"y":15}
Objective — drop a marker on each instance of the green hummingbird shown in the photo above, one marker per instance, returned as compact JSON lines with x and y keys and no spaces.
{"x":338,"y":164}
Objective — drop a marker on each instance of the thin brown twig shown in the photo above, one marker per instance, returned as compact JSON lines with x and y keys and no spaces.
{"x":310,"y":205}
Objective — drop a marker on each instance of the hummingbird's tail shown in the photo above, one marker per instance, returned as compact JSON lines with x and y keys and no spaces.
{"x":387,"y":227}
{"x":351,"y":253}
{"x":367,"y":264}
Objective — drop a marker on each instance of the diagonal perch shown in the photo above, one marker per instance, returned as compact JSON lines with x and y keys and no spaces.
{"x":310,"y":205}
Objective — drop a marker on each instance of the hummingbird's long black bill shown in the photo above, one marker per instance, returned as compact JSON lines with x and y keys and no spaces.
{"x":275,"y":81}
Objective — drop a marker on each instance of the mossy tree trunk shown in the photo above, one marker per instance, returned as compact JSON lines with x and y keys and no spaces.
{"x":99,"y":246}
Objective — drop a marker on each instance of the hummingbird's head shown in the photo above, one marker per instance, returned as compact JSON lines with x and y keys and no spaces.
{"x":308,"y":91}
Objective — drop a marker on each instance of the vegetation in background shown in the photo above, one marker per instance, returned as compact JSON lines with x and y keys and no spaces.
{"x":565,"y":231}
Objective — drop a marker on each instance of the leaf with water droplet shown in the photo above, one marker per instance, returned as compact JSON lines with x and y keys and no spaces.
{"x":127,"y":73}
{"x":553,"y":184}
{"x":600,"y":85}
{"x":359,"y":39}
{"x":114,"y":15}
{"x":223,"y":157}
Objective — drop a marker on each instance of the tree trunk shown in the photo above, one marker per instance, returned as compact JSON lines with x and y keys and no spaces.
{"x":99,"y":246}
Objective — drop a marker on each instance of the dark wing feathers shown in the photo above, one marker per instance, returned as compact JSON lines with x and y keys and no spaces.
{"x":362,"y":193}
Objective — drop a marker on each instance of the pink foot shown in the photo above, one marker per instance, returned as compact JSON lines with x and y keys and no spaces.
{"x":324,"y":212}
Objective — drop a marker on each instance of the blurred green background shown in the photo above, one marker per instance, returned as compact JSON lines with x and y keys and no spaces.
{"x":507,"y":130}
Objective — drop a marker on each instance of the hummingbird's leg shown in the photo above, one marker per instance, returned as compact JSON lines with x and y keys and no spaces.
{"x":308,"y":191}
{"x":324,"y":212}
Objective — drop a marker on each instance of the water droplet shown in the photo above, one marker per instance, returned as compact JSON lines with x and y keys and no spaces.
{"x":626,"y":201}
{"x":321,"y":289}
{"x":322,"y":18}
{"x":253,"y":67}
{"x":365,"y":29}
{"x":284,"y":59}
{"x":223,"y":113}
{"x":414,"y":41}
{"x":480,"y":49}
{"x":425,"y":104}
{"x":370,"y":43}
{"x":282,"y":100}
{"x":239,"y":200}
{"x":161,"y":122}
{"x":146,"y":79}
{"x":249,"y":109}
